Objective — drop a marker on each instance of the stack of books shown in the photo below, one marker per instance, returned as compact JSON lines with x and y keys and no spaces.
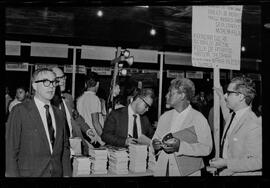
{"x":81,"y":166}
{"x":99,"y":160}
{"x":138,"y":157}
{"x":151,"y":159}
{"x":118,"y":160}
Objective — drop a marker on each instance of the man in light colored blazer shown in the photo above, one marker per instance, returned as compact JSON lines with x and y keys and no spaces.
{"x":36,"y":140}
{"x":187,"y":127}
{"x":241,"y":143}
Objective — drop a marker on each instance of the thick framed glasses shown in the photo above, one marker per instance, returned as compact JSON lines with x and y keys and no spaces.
{"x":146,"y":104}
{"x":61,"y":78}
{"x":47,"y":82}
{"x":228,"y":92}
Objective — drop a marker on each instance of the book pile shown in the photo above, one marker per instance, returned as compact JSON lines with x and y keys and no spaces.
{"x":81,"y":166}
{"x":151,"y":159}
{"x":118,"y":160}
{"x":99,"y":159}
{"x":137,"y":157}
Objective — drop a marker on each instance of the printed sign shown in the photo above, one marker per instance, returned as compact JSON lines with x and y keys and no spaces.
{"x":80,"y":69}
{"x":151,"y":71}
{"x":16,"y":66}
{"x":194,"y":74}
{"x":175,"y":74}
{"x":102,"y":70}
{"x":216,"y":36}
{"x":41,"y":66}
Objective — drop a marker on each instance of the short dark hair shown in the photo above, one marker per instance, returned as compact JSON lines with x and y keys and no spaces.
{"x":144,"y":92}
{"x":246,"y":86}
{"x":91,"y":79}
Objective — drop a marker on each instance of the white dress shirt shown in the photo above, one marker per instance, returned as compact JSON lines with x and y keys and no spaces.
{"x":68,"y":116}
{"x":42,"y":112}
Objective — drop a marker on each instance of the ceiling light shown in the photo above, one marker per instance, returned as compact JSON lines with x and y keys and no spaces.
{"x":100,"y":13}
{"x":144,"y":6}
{"x":153,"y":32}
{"x":243,"y":48}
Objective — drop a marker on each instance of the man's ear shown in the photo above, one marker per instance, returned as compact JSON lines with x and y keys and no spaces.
{"x":34,"y":85}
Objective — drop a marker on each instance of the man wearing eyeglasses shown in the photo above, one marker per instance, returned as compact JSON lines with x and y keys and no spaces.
{"x":36,"y":141}
{"x":129,"y":125}
{"x":76,"y":123}
{"x":182,"y":136}
{"x":241,"y":142}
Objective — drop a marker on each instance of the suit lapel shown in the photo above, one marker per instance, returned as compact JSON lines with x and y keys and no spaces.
{"x":35,"y":115}
{"x":57,"y":123}
{"x":241,"y":122}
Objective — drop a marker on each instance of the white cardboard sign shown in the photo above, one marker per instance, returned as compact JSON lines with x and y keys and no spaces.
{"x":216,"y":36}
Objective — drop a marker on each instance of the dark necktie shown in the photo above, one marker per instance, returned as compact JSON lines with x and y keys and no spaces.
{"x":224,"y":137}
{"x":49,"y":123}
{"x":135,"y":132}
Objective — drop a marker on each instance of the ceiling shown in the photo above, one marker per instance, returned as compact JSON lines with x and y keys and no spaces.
{"x":126,"y":26}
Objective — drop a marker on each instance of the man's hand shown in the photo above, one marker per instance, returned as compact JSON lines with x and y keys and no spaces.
{"x":157,"y":144}
{"x":91,"y":135}
{"x":218,"y":163}
{"x":172,"y":145}
{"x":130,"y":140}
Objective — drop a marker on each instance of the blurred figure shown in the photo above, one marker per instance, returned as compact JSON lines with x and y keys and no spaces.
{"x":129,"y":125}
{"x":19,"y":97}
{"x":8,"y":101}
{"x":89,"y":106}
{"x":201,"y":104}
{"x":241,"y":143}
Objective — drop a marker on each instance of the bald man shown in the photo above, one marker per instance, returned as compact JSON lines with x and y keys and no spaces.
{"x":76,"y":123}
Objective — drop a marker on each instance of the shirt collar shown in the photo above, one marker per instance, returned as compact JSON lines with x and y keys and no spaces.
{"x":130,"y":111}
{"x":92,"y":92}
{"x":39,"y":103}
{"x":184,"y":111}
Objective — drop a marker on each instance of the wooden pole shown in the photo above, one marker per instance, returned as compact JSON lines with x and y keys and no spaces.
{"x":160,"y":83}
{"x":216,"y":112}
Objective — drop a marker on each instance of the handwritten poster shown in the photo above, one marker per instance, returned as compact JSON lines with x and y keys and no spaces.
{"x":216,"y":36}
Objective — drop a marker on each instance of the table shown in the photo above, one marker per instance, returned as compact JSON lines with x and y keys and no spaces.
{"x":112,"y":174}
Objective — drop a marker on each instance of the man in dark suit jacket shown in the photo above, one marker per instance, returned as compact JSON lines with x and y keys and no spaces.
{"x":119,"y":128}
{"x":36,"y":140}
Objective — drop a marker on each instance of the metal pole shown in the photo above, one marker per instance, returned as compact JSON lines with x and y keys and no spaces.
{"x":74,"y":72}
{"x":160,"y":83}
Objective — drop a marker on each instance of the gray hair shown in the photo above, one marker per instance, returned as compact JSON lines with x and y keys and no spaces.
{"x":184,"y":85}
{"x":246,"y":86}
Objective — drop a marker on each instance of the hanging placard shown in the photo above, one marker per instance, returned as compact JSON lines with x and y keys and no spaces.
{"x":175,"y":74}
{"x":102,"y":70}
{"x":41,"y":66}
{"x":194,"y":74}
{"x":151,"y":71}
{"x":80,"y":69}
{"x":16,"y":66}
{"x":218,"y":42}
{"x":223,"y":75}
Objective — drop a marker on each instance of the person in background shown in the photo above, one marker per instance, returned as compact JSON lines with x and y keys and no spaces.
{"x":89,"y":106}
{"x":183,"y":136}
{"x":64,"y":101}
{"x":241,"y":143}
{"x":19,"y":97}
{"x":8,"y":101}
{"x":129,"y":125}
{"x":36,"y":140}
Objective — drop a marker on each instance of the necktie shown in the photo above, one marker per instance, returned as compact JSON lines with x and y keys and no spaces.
{"x":135,"y":132}
{"x":224,"y":137}
{"x":49,"y":123}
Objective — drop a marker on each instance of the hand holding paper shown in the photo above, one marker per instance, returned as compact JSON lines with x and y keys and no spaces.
{"x":170,"y":144}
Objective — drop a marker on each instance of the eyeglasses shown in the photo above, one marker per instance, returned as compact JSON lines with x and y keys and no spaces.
{"x":47,"y":82}
{"x":61,"y":78}
{"x":228,"y":92}
{"x":146,"y":104}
